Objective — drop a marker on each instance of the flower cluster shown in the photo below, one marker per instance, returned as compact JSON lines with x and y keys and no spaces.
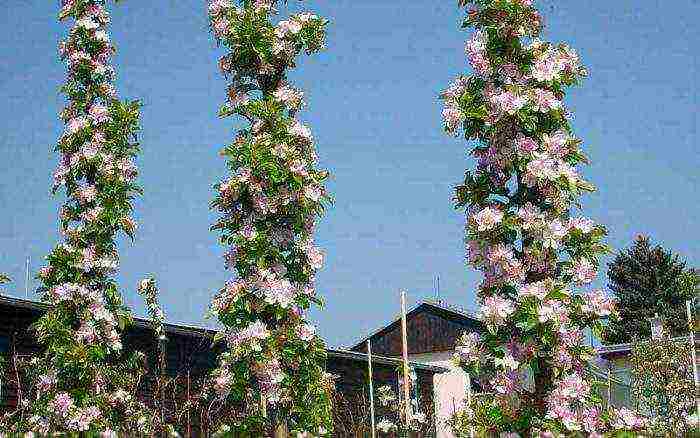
{"x":520,"y":231}
{"x":76,"y":383}
{"x":392,"y":409}
{"x":149,"y":290}
{"x":273,"y":364}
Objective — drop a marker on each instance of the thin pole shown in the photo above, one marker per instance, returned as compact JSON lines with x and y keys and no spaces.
{"x":281,"y":430}
{"x":371,"y":385}
{"x":189,"y":418}
{"x":263,"y":405}
{"x":609,"y":386}
{"x":406,"y":382}
{"x":691,"y":326}
{"x":469,"y":404}
{"x":26,"y":282}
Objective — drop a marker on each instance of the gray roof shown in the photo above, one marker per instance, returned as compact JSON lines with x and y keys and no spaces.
{"x":362,"y":357}
{"x":626,"y":348}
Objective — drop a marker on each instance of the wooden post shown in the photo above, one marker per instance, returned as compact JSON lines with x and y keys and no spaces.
{"x":281,"y":431}
{"x":406,"y":378}
{"x":371,"y":386}
{"x":691,"y":326}
{"x":469,"y":404}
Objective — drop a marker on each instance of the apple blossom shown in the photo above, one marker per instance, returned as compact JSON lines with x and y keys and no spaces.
{"x":268,"y":208}
{"x":521,"y":233}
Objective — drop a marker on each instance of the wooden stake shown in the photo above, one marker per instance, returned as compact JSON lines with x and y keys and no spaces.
{"x":281,"y":431}
{"x":469,"y":404}
{"x":406,"y":379}
{"x":371,"y":386}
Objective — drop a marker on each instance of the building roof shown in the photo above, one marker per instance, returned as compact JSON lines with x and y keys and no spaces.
{"x":626,"y":348}
{"x":362,"y":357}
{"x":189,"y":330}
{"x":435,"y":307}
{"x":182,"y":329}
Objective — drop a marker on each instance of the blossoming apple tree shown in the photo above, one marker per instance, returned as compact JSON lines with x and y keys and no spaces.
{"x":80,"y":380}
{"x":521,"y":233}
{"x":272,"y":368}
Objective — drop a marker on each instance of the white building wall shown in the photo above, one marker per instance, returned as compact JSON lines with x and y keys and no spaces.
{"x":450,"y":388}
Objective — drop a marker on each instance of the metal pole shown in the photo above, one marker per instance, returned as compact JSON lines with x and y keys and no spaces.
{"x":609,"y":386}
{"x":26,"y":282}
{"x":691,"y":326}
{"x":406,"y":382}
{"x":371,"y":386}
{"x":469,"y":405}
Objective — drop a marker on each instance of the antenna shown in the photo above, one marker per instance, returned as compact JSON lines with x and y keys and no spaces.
{"x":26,"y":283}
{"x":437,"y":291}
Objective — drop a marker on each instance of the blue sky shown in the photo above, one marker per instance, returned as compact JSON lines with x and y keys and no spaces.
{"x":373,"y":107}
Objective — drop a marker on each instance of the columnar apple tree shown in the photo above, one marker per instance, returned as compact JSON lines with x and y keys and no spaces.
{"x":80,"y":380}
{"x":273,"y":366}
{"x":521,"y":231}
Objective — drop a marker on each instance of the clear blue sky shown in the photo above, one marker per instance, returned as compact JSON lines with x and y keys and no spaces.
{"x":374,"y":109}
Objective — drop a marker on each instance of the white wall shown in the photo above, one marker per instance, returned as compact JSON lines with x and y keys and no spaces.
{"x":450,"y":388}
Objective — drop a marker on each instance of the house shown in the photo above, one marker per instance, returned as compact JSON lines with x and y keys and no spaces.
{"x":616,"y":360}
{"x":432,"y":330}
{"x":189,"y":356}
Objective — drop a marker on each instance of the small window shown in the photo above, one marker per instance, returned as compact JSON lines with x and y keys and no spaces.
{"x":4,"y":344}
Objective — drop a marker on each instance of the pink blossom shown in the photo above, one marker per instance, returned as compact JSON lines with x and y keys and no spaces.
{"x":488,"y":218}
{"x":525,"y":145}
{"x":313,"y":193}
{"x":306,"y":332}
{"x":289,"y":96}
{"x":452,"y":117}
{"x":99,"y":114}
{"x":86,"y":333}
{"x":62,"y":404}
{"x":315,"y":257}
{"x":496,"y":310}
{"x":75,"y":125}
{"x":544,"y":69}
{"x":86,"y":194}
{"x":530,"y":216}
{"x":599,"y":304}
{"x":476,"y":52}
{"x":552,"y":311}
{"x":300,"y":131}
{"x":287,"y":27}
{"x":581,"y":224}
{"x":584,"y":271}
{"x":556,"y":143}
{"x":542,"y":168}
{"x":537,"y":289}
{"x":545,"y":101}
{"x":217,"y":7}
{"x":469,"y":348}
{"x":508,"y":102}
